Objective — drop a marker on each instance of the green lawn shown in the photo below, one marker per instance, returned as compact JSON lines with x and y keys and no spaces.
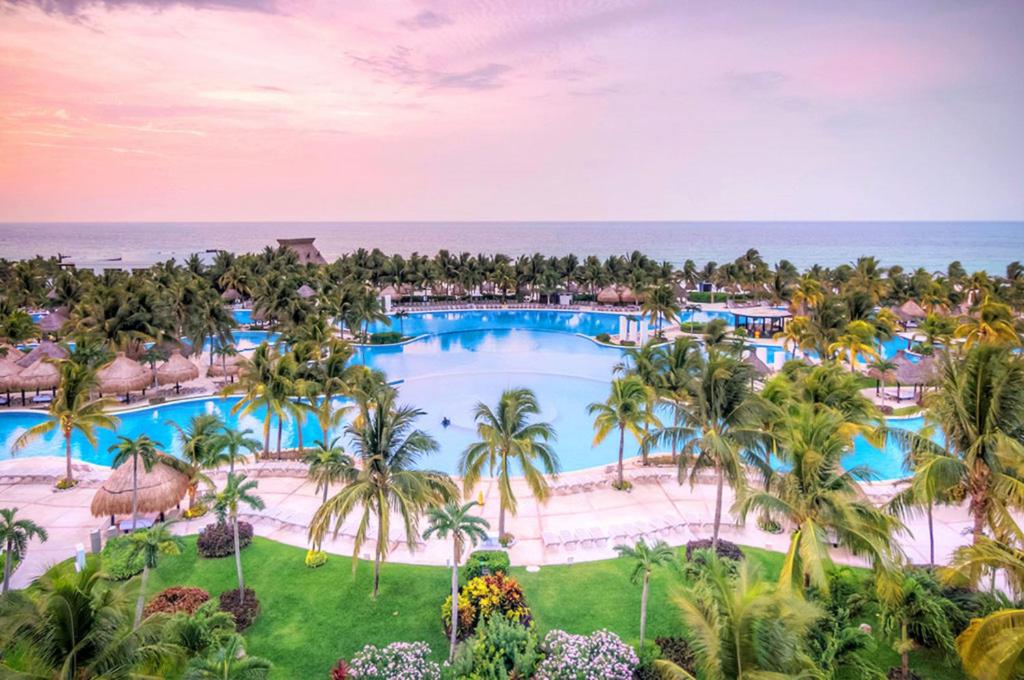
{"x":311,"y":617}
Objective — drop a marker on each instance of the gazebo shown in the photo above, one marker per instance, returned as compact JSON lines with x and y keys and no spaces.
{"x":52,"y":322}
{"x":761,"y":321}
{"x":123,"y":376}
{"x":909,"y":312}
{"x":177,"y":369}
{"x":44,"y":350}
{"x":916,"y":374}
{"x":159,"y":490}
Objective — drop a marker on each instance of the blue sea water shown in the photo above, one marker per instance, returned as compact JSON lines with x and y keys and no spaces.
{"x":932,"y":245}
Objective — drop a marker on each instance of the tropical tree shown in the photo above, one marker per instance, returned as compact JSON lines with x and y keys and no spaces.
{"x":625,"y":409}
{"x":150,"y":544}
{"x":992,"y":325}
{"x":143,"y":450}
{"x":661,"y":306}
{"x":72,"y":410}
{"x":201,"y":442}
{"x":255,"y":383}
{"x":742,"y":627}
{"x":858,"y":340}
{"x":228,"y":662}
{"x":511,"y":442}
{"x":228,"y":446}
{"x":911,"y":613}
{"x":646,"y":558}
{"x":389,"y":449}
{"x":237,"y":492}
{"x":328,"y":464}
{"x":15,"y":535}
{"x":455,"y":520}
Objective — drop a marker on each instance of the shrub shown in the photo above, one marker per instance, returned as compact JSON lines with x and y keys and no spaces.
{"x":646,"y":655}
{"x":315,"y":558}
{"x":701,"y":296}
{"x":726,"y":549}
{"x":118,"y":561}
{"x":385,"y":338}
{"x":692,"y":327}
{"x":244,"y":611}
{"x":341,"y":671}
{"x":603,"y":337}
{"x":483,"y":596}
{"x":498,"y":649}
{"x":600,"y":655}
{"x":217,"y":540}
{"x":627,"y":343}
{"x":678,"y":651}
{"x":197,"y":510}
{"x":177,"y":599}
{"x":207,"y":628}
{"x":483,"y":562}
{"x":405,"y":660}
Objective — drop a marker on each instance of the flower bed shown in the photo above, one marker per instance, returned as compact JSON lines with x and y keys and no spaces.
{"x":483,"y":596}
{"x":177,"y":599}
{"x":599,"y":656}
{"x":244,"y":611}
{"x":397,"y":661}
{"x":218,"y":540}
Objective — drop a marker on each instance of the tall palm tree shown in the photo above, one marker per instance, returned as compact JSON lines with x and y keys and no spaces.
{"x":921,"y":493}
{"x":742,"y":627}
{"x":237,"y":492}
{"x":74,"y":625}
{"x":150,"y":544}
{"x":72,"y":411}
{"x":661,"y":306}
{"x":913,"y":605}
{"x":456,"y":520}
{"x":328,"y":464}
{"x":992,"y":325}
{"x":646,"y":558}
{"x":228,"y":446}
{"x":255,"y":383}
{"x":228,"y":662}
{"x":200,"y":446}
{"x":626,"y":408}
{"x":15,"y":535}
{"x":721,"y":419}
{"x":141,"y":449}
{"x":857,"y":340}
{"x":509,"y":437}
{"x":389,"y":449}
{"x":979,"y":408}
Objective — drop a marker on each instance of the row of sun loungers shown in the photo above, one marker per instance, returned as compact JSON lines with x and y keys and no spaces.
{"x":453,"y":307}
{"x":620,"y":533}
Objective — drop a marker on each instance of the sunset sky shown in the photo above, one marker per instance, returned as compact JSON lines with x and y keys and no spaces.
{"x":485,"y":109}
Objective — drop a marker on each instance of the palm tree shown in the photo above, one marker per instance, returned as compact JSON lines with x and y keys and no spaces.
{"x":992,"y":647}
{"x":388,"y":481}
{"x":661,"y":306}
{"x":721,"y":418}
{"x":15,"y":535}
{"x":74,"y":625}
{"x":228,"y":447}
{"x":979,"y":407}
{"x":741,"y":627}
{"x":885,"y":370}
{"x":626,"y":408}
{"x":141,"y":449}
{"x":913,"y":610}
{"x":509,"y":437}
{"x":856,"y":341}
{"x":150,"y":544}
{"x":921,"y":492}
{"x":993,"y":325}
{"x":238,"y":491}
{"x":72,"y":411}
{"x":254,"y":381}
{"x":200,"y":446}
{"x":646,"y":558}
{"x":223,"y":351}
{"x":820,"y":499}
{"x":228,"y":662}
{"x":328,"y":464}
{"x":463,"y":527}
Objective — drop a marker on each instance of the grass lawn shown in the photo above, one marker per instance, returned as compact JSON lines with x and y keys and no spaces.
{"x":311,"y":617}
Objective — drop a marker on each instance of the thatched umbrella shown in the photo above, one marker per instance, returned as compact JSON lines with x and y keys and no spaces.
{"x":616,"y":294}
{"x":159,"y":490}
{"x":9,"y":370}
{"x":761,"y":369}
{"x":123,"y":375}
{"x":52,"y":322}
{"x":177,"y":369}
{"x":228,"y":366}
{"x":917,"y":374}
{"x":44,"y":350}
{"x":305,"y":291}
{"x":42,"y":375}
{"x":909,"y":311}
{"x":10,"y":352}
{"x":231,"y":295}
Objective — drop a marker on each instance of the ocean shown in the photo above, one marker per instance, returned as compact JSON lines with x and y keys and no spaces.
{"x":986,"y":246}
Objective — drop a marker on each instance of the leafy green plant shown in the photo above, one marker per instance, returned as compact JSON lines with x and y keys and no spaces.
{"x":483,"y":562}
{"x":120,"y":561}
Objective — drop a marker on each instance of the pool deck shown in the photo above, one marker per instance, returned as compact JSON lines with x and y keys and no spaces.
{"x":291,"y":502}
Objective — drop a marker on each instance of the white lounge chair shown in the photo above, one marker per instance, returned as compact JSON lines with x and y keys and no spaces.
{"x":551,"y":540}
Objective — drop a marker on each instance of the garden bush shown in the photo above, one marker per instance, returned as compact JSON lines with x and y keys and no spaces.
{"x":405,"y":660}
{"x":217,"y":540}
{"x":601,"y":654}
{"x":700,"y":296}
{"x":119,"y":562}
{"x":177,"y":599}
{"x":341,"y":671}
{"x":244,"y":611}
{"x":692,"y":327}
{"x":483,"y":562}
{"x":646,"y":655}
{"x":498,"y":649}
{"x":726,"y":549}
{"x":315,"y":558}
{"x":483,"y":596}
{"x":385,"y":338}
{"x":603,"y":337}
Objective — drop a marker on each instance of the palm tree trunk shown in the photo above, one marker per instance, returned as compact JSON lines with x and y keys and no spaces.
{"x":931,"y":536}
{"x":622,"y":444}
{"x":135,"y":493}
{"x":501,"y":518}
{"x":8,"y":561}
{"x":141,"y":601}
{"x":643,"y":608}
{"x":238,"y":558}
{"x":455,"y":603}
{"x":376,"y":572}
{"x":904,"y":655}
{"x":325,"y":491}
{"x":718,"y":505}
{"x":266,"y":433}
{"x":67,"y":457}
{"x":280,"y":427}
{"x":298,"y":428}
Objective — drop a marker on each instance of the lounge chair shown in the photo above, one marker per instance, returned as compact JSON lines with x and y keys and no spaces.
{"x":583,"y":537}
{"x":551,"y":540}
{"x":567,"y":538}
{"x":598,"y":535}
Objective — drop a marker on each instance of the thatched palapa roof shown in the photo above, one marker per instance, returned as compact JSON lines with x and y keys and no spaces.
{"x":9,"y":370}
{"x":227,"y":366}
{"x":231,"y":295}
{"x":760,"y":368}
{"x":304,"y":250}
{"x":52,"y":322}
{"x":123,"y":375}
{"x":610,"y":295}
{"x":160,"y":489}
{"x":305,"y":291}
{"x":41,"y":375}
{"x":176,"y":370}
{"x":909,"y":372}
{"x":909,"y":311}
{"x":12,"y":353}
{"x":44,"y":350}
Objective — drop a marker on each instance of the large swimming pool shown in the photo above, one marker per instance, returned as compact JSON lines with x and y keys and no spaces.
{"x":460,"y":358}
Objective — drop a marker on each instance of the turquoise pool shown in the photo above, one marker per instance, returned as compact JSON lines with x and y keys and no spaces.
{"x":461,"y":358}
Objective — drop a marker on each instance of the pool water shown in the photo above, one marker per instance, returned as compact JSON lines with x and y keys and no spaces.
{"x":461,"y":358}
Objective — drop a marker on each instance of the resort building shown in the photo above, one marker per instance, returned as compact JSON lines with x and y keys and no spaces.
{"x":303,"y":249}
{"x":761,"y":321}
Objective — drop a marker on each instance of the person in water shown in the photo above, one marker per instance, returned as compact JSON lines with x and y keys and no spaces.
{"x":445,"y":422}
